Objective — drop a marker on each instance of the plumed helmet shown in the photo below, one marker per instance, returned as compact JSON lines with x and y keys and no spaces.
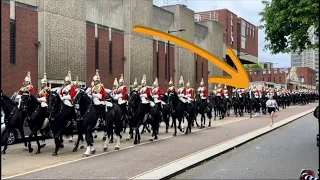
{"x":201,"y":83}
{"x":68,"y":77}
{"x":44,"y":79}
{"x":97,"y":76}
{"x":181,"y":82}
{"x":121,"y":79}
{"x":170,"y":82}
{"x":188,"y":84}
{"x":28,"y":78}
{"x":155,"y":83}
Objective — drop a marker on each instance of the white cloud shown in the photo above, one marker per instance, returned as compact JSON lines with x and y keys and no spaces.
{"x":247,"y":9}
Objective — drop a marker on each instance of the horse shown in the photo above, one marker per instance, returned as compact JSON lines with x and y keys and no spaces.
{"x":59,"y":116}
{"x":201,"y":109}
{"x":236,"y":103}
{"x":165,"y":111}
{"x":113,"y":117}
{"x":13,"y":119}
{"x":176,"y":107}
{"x":137,"y":112}
{"x":35,"y":117}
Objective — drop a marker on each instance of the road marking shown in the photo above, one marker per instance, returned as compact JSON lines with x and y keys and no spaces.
{"x":191,"y":159}
{"x":76,"y":160}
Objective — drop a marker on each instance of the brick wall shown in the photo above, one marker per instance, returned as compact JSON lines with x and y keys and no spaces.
{"x":162,"y":81}
{"x":106,"y":76}
{"x":200,"y":73}
{"x":12,"y":75}
{"x":90,"y":55}
{"x":251,"y":40}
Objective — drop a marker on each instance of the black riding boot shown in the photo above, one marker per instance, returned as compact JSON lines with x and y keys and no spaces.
{"x":102,"y":111}
{"x":124,"y":111}
{"x":73,"y":113}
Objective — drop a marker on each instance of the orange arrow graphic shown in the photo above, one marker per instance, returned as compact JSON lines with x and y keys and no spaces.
{"x":238,"y":78}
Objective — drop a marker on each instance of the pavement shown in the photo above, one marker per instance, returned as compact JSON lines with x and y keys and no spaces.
{"x":130,"y":160}
{"x":277,"y":155}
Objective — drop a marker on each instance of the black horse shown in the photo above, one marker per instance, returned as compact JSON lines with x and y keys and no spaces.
{"x":113,"y":119}
{"x":36,"y":119}
{"x":201,"y":108}
{"x":176,"y":107}
{"x":236,"y":103}
{"x":13,"y":119}
{"x":59,"y":116}
{"x":165,"y":111}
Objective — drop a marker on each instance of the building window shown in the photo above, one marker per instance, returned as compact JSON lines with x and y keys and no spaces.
{"x":275,"y":71}
{"x":243,"y":31}
{"x":251,"y":79}
{"x":243,"y":42}
{"x":250,"y":32}
{"x":253,"y":33}
{"x":231,"y":22}
{"x":279,"y":80}
{"x":262,"y":79}
{"x":274,"y":79}
{"x":232,"y":40}
{"x":264,"y":71}
{"x":12,"y":41}
{"x":247,"y":31}
{"x":231,"y":16}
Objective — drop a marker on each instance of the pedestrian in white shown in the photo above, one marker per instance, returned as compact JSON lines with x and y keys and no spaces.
{"x":271,"y":105}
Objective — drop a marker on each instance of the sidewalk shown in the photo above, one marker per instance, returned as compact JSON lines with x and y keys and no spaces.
{"x":131,"y":162}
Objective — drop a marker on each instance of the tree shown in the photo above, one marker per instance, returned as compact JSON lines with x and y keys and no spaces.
{"x":286,"y":24}
{"x":250,"y":66}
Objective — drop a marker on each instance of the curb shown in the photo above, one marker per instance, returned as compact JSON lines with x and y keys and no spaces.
{"x":176,"y":167}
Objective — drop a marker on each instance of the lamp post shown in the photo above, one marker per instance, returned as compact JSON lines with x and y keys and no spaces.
{"x":168,"y":60}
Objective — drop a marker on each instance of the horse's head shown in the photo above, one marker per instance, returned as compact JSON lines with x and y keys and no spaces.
{"x":134,"y":98}
{"x":172,"y":97}
{"x":164,"y":97}
{"x":25,"y":99}
{"x":53,"y":100}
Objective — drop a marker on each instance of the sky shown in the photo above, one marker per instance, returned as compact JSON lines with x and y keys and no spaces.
{"x":248,"y":10}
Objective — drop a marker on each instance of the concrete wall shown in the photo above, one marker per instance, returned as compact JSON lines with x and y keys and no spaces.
{"x":184,"y":59}
{"x":108,"y":13}
{"x":138,"y":47}
{"x":163,"y":20}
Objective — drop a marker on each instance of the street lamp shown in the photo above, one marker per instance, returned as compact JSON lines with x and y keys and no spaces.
{"x":168,"y":60}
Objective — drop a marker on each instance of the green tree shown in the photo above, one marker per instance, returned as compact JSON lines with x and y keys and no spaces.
{"x":286,"y":24}
{"x":250,"y":66}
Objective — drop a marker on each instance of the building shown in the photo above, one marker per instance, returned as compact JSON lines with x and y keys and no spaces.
{"x":266,"y":65}
{"x":308,"y":58}
{"x":293,"y":78}
{"x":240,"y":35}
{"x":53,"y":37}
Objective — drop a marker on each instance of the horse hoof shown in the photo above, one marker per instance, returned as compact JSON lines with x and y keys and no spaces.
{"x":116,"y":148}
{"x":61,"y":146}
{"x":186,"y":133}
{"x":86,"y":155}
{"x":209,"y":125}
{"x":120,"y":136}
{"x":38,"y":152}
{"x":70,"y":141}
{"x":93,"y":152}
{"x":149,"y":131}
{"x":138,"y":142}
{"x":43,"y":145}
{"x":54,"y":154}
{"x":75,"y":150}
{"x":155,"y":138}
{"x":25,"y":149}
{"x":151,"y":139}
{"x":111,"y":141}
{"x":105,"y":149}
{"x":95,"y":136}
{"x":128,"y":139}
{"x":174,"y":134}
{"x":3,"y":152}
{"x":142,"y":132}
{"x":167,"y":131}
{"x":30,"y":150}
{"x":81,"y":147}
{"x":104,"y":138}
{"x":135,"y":142}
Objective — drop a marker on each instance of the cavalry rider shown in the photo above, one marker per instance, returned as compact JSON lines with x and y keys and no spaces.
{"x":219,"y":90}
{"x":114,"y":87}
{"x":26,"y":88}
{"x":255,"y":91}
{"x":144,"y":93}
{"x":98,"y":95}
{"x":171,"y":87}
{"x":67,"y":93}
{"x":226,"y":92}
{"x":190,"y":92}
{"x":121,"y":96}
{"x":135,"y":85}
{"x":202,"y":90}
{"x":182,"y":92}
{"x":156,"y":94}
{"x":42,"y":96}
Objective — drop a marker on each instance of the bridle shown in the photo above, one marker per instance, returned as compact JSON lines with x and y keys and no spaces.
{"x":78,"y":99}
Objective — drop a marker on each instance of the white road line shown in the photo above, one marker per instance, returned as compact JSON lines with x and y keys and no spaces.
{"x":240,"y":119}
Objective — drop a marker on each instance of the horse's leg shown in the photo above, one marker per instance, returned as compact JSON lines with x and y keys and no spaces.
{"x":43,"y":133}
{"x":5,"y":139}
{"x":32,"y":133}
{"x":24,"y":139}
{"x":175,"y":126}
{"x":137,"y":135}
{"x":105,"y":134}
{"x":95,"y":133}
{"x":57,"y":142}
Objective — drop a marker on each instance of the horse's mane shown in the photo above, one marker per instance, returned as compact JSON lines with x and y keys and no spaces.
{"x":8,"y":99}
{"x":33,"y":97}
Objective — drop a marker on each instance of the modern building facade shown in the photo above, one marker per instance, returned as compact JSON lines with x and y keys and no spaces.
{"x":308,"y":58}
{"x":240,"y":35}
{"x":291,"y":77}
{"x":53,"y":37}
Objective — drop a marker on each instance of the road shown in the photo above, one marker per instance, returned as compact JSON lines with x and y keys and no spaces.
{"x":130,"y":160}
{"x":280,"y":154}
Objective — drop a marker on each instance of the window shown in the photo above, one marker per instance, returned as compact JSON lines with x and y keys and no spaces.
{"x":243,"y":42}
{"x":247,"y":31}
{"x":251,"y":79}
{"x":12,"y":41}
{"x":279,"y":80}
{"x":231,"y":16}
{"x":243,"y":31}
{"x":274,"y":79}
{"x":231,"y":22}
{"x":250,"y":32}
{"x":275,"y":71}
{"x":232,"y":40}
{"x":262,"y":79}
{"x":253,"y":33}
{"x":264,"y":71}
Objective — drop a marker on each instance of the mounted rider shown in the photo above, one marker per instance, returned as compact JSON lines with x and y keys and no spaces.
{"x":43,"y":95}
{"x":121,"y":96}
{"x":114,"y":87}
{"x":135,"y":85}
{"x":144,"y":94}
{"x":67,"y":93}
{"x":226,"y":92}
{"x":156,"y":94}
{"x":182,"y":92}
{"x":255,"y":91}
{"x":26,"y":88}
{"x":202,"y":90}
{"x":171,"y":87}
{"x":219,"y":90}
{"x":190,"y":92}
{"x":98,"y":95}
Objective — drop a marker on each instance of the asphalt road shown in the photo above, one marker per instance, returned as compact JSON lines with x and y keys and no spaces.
{"x":280,"y":154}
